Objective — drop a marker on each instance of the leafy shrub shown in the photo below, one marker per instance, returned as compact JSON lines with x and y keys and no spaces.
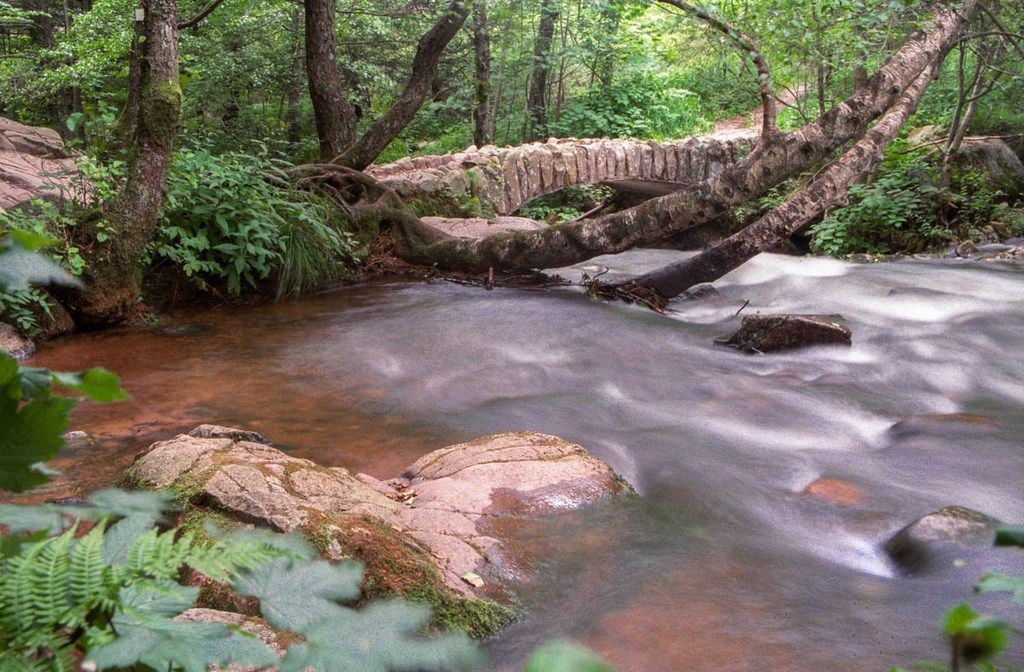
{"x":111,"y":596}
{"x":224,"y":224}
{"x":896,"y":212}
{"x":82,"y":197}
{"x":640,"y":106}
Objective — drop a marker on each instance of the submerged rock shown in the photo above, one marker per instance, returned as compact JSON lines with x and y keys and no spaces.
{"x":419,"y":534}
{"x":219,"y":432}
{"x":774,"y":333}
{"x":15,"y":344}
{"x":79,"y":440}
{"x":943,"y":535}
{"x":834,"y":490}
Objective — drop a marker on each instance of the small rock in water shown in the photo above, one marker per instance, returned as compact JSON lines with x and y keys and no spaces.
{"x":704,"y":290}
{"x":218,"y":432}
{"x":923,"y":424}
{"x":966,"y":248}
{"x":78,"y":440}
{"x":834,"y":490}
{"x":774,"y":333}
{"x":941,"y":535}
{"x":15,"y":344}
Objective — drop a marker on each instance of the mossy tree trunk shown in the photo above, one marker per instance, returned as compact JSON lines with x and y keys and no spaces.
{"x":113,"y":274}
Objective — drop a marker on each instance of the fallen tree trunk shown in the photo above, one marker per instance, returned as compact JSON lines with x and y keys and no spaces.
{"x":773,"y":230}
{"x":774,"y":160}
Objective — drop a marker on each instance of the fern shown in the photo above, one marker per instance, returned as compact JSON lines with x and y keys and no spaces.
{"x":113,"y":597}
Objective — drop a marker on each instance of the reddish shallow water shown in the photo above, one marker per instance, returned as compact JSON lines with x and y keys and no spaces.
{"x":722,"y":565}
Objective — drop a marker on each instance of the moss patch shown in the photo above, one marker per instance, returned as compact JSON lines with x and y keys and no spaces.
{"x":395,"y":567}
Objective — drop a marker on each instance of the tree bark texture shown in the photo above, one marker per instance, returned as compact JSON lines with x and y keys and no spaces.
{"x":536,"y":99}
{"x":483,"y":110}
{"x":773,"y":230}
{"x":113,"y":273}
{"x":334,"y":115}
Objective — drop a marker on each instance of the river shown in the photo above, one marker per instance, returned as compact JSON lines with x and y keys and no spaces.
{"x":722,"y":564}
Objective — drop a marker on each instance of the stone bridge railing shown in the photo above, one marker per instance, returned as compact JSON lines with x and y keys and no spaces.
{"x":491,"y":181}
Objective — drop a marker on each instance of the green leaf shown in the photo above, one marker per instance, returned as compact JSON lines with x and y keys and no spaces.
{"x":97,"y":384}
{"x":1007,"y":535}
{"x":560,"y":655}
{"x":383,"y":637}
{"x":75,"y":120}
{"x":20,"y":267}
{"x":41,"y":518}
{"x":995,"y":582}
{"x":139,"y":513}
{"x":294,"y":595}
{"x":146,"y":635}
{"x":30,"y":434}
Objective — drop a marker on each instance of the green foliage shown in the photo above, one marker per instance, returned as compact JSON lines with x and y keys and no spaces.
{"x":640,"y":106}
{"x":225,"y":225}
{"x":94,"y":593}
{"x":33,"y":419}
{"x":74,"y":593}
{"x":977,"y":639}
{"x":560,"y":655}
{"x":895,"y":212}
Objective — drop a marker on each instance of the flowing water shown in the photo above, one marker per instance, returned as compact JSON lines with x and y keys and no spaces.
{"x":723,"y":564}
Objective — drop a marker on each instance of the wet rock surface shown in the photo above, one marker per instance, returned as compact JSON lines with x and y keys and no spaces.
{"x":15,"y":344}
{"x":775,"y":333}
{"x":442,"y":509}
{"x":944,"y":536}
{"x":834,"y":490}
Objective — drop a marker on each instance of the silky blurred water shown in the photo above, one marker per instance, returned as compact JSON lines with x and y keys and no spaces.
{"x":723,"y":564}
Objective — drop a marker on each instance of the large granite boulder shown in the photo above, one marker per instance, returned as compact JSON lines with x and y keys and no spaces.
{"x":995,"y":161}
{"x":33,"y":164}
{"x":434,"y":531}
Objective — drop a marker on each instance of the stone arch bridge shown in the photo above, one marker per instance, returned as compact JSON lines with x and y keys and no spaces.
{"x":474,"y":192}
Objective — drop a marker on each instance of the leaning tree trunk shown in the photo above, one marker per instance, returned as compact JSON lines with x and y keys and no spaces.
{"x":772,"y":231}
{"x":536,"y":99}
{"x":335,"y":117}
{"x":424,"y":67}
{"x":113,"y":273}
{"x":773,"y":161}
{"x":483,"y":110}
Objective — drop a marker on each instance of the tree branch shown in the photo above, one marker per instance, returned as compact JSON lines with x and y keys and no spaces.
{"x":198,"y":18}
{"x":749,"y":47}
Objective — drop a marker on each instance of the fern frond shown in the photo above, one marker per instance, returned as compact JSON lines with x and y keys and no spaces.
{"x":51,"y":582}
{"x":88,"y":587}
